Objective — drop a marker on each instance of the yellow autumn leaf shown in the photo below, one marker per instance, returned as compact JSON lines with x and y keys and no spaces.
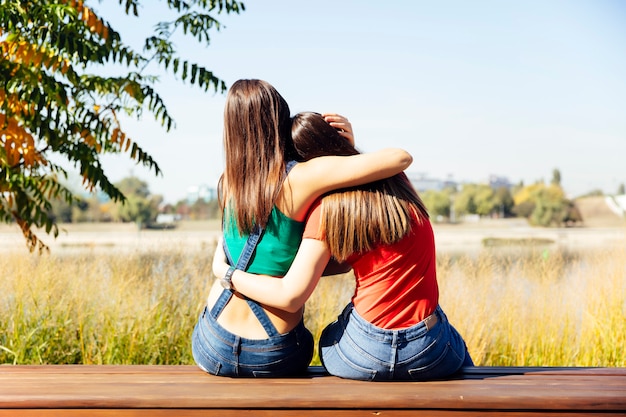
{"x":129,"y":90}
{"x":65,"y":66}
{"x":122,"y":139}
{"x":28,"y":156}
{"x":115,"y":134}
{"x":105,"y":32}
{"x":86,"y":14}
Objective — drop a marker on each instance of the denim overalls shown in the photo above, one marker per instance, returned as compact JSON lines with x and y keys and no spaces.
{"x":220,"y":352}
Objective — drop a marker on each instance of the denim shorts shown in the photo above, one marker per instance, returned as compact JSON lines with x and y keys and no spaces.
{"x":220,"y":352}
{"x":353,"y":348}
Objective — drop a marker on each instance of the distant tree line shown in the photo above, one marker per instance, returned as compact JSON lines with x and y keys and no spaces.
{"x":540,"y":203}
{"x":140,"y":207}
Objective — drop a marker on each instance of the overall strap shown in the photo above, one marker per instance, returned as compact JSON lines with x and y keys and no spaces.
{"x":288,"y":168}
{"x":242,"y":264}
{"x":290,"y":165}
{"x":244,"y":260}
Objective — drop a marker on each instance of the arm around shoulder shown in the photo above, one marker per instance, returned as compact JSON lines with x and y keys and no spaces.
{"x":349,"y":171}
{"x":401,"y":158}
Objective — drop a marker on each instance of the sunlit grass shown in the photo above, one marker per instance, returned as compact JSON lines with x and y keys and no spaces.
{"x":539,"y":308}
{"x":135,"y":308}
{"x":532,"y":308}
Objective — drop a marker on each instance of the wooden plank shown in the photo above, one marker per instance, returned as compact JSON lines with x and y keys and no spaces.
{"x":284,"y":413}
{"x":478,"y":372}
{"x":143,"y":389}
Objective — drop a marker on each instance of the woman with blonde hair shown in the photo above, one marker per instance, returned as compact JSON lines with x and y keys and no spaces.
{"x":394,"y":327}
{"x":265,"y":194}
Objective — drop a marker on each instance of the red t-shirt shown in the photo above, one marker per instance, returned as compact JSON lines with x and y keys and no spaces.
{"x":396,"y":285}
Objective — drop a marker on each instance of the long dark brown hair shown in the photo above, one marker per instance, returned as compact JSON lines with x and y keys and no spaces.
{"x":257,"y":144}
{"x":357,"y":219}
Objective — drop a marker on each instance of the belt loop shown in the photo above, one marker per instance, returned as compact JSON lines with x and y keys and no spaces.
{"x":393,"y":359}
{"x":236,"y":344}
{"x":345,"y":314}
{"x":440,"y":314}
{"x":236,"y":352}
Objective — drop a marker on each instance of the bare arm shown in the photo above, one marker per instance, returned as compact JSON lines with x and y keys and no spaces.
{"x":348,"y":171}
{"x":308,"y":180}
{"x":288,"y":293}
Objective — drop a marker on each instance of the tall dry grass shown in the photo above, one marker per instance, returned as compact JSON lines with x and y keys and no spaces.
{"x":529,"y":308}
{"x":133,"y":308}
{"x":539,"y":308}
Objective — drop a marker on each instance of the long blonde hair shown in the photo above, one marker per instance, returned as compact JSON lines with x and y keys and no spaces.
{"x":257,"y":145}
{"x":357,"y":219}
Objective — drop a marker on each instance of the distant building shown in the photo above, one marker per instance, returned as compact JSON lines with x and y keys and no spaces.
{"x":423,"y":183}
{"x":201,"y":192}
{"x":496,"y":182}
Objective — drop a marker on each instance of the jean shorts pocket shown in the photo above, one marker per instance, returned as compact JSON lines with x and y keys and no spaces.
{"x":204,"y":359}
{"x":209,"y":365}
{"x":445,"y":364}
{"x":339,"y":364}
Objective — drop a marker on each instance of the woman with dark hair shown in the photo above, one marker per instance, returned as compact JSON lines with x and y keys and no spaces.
{"x":393,"y":328}
{"x":265,"y":196}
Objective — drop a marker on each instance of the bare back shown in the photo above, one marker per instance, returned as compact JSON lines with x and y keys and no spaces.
{"x":237,"y":317}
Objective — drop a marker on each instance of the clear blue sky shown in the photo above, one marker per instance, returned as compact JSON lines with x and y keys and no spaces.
{"x":470,"y":88}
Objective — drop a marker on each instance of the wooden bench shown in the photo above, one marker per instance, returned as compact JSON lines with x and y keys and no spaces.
{"x":185,"y":391}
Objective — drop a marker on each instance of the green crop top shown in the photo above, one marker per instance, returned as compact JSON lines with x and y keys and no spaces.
{"x":277,"y":248}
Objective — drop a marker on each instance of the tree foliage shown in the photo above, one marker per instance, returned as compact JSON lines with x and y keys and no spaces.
{"x":438,"y":203}
{"x":464,"y":201}
{"x":556,"y":177}
{"x":140,"y":207}
{"x":504,"y":201}
{"x":56,"y":103}
{"x":545,"y":205}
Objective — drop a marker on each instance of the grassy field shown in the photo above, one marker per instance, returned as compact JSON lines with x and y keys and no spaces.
{"x":114,"y":303}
